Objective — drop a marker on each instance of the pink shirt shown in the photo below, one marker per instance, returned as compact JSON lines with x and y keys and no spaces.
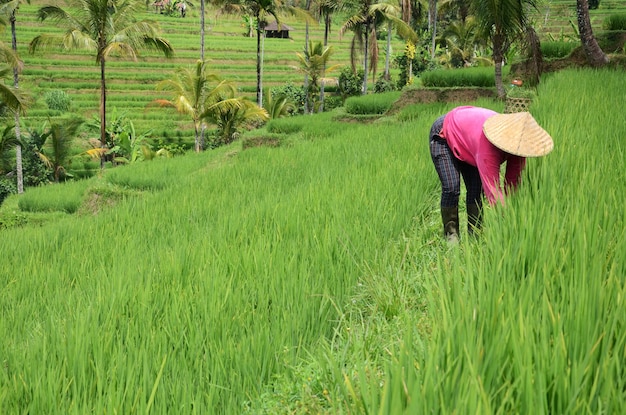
{"x":463,"y":131}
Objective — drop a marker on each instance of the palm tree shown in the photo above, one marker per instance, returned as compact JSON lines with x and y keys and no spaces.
{"x":7,"y":143}
{"x":313,"y":64}
{"x":105,"y":27}
{"x":362,"y":25}
{"x":11,"y":99}
{"x":278,"y":106}
{"x":462,"y":41}
{"x":432,"y":24}
{"x":501,"y":21}
{"x":230,"y":118}
{"x":194,"y":91}
{"x":390,"y":13}
{"x":325,"y":11}
{"x":595,"y":55}
{"x":10,"y":8}
{"x":262,"y":10}
{"x":57,"y":149}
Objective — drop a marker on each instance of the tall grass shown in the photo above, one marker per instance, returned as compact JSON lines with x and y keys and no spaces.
{"x":62,"y":197}
{"x":529,"y":318}
{"x":469,"y":77}
{"x":192,"y":298}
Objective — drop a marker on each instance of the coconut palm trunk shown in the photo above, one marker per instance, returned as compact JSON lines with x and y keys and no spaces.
{"x":103,"y":110}
{"x":259,"y":60}
{"x":365,"y":56}
{"x":18,"y":147}
{"x":202,"y":35}
{"x":199,"y":140}
{"x":389,"y":26}
{"x":595,"y":56}
{"x":498,"y":59}
{"x":432,"y":24}
{"x":307,"y":104}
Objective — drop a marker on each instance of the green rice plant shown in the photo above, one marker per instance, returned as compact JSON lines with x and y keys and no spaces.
{"x":317,"y":127}
{"x":615,"y":21}
{"x":464,"y":77}
{"x":256,"y":245}
{"x":287,"y":125}
{"x":62,"y":197}
{"x":372,"y":103}
{"x":157,"y":174}
{"x":557,"y":49}
{"x":527,"y":318}
{"x":424,"y":112}
{"x":58,"y":100}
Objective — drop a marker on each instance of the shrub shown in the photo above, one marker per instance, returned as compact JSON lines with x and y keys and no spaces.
{"x":332,"y":102}
{"x":12,"y":219}
{"x":350,"y":83}
{"x":371,"y":104}
{"x":295,"y":94}
{"x":419,"y":64}
{"x":384,"y":85}
{"x":615,"y":21}
{"x":57,"y":100}
{"x":7,"y":187}
{"x":34,"y":170}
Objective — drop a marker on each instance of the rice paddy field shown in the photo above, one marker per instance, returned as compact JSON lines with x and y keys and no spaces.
{"x":312,"y":277}
{"x":131,"y":84}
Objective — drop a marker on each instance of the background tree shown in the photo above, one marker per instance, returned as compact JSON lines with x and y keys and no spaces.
{"x":10,"y":8}
{"x":501,"y":21}
{"x":461,"y":40}
{"x":11,"y":99}
{"x":391,"y":14}
{"x":36,"y":172}
{"x":279,"y":105}
{"x":595,"y":56}
{"x":261,"y":11}
{"x":14,"y":102}
{"x":194,"y":90}
{"x":432,"y":25}
{"x":362,"y":25}
{"x":326,"y":9}
{"x":313,"y":64}
{"x":56,"y":152}
{"x":7,"y":145}
{"x":106,"y":27}
{"x":229,"y":119}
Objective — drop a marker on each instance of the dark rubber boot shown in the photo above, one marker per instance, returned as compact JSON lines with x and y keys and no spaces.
{"x":450,"y":217}
{"x":474,"y":218}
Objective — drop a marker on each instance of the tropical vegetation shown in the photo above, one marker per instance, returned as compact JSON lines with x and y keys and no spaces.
{"x":239,"y":256}
{"x":312,"y":278}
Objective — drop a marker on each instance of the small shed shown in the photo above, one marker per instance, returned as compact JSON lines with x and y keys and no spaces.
{"x":282,"y":32}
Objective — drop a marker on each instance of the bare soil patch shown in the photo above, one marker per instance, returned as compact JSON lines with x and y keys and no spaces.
{"x":431,"y":95}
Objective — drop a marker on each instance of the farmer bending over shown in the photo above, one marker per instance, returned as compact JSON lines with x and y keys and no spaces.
{"x":474,"y":142}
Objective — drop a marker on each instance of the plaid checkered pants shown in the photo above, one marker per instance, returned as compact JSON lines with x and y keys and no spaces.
{"x":450,"y":169}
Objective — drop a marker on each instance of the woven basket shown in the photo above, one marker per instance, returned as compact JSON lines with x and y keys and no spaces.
{"x":517,"y":105}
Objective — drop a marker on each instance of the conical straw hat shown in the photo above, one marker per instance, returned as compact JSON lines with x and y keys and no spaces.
{"x":518,"y":134}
